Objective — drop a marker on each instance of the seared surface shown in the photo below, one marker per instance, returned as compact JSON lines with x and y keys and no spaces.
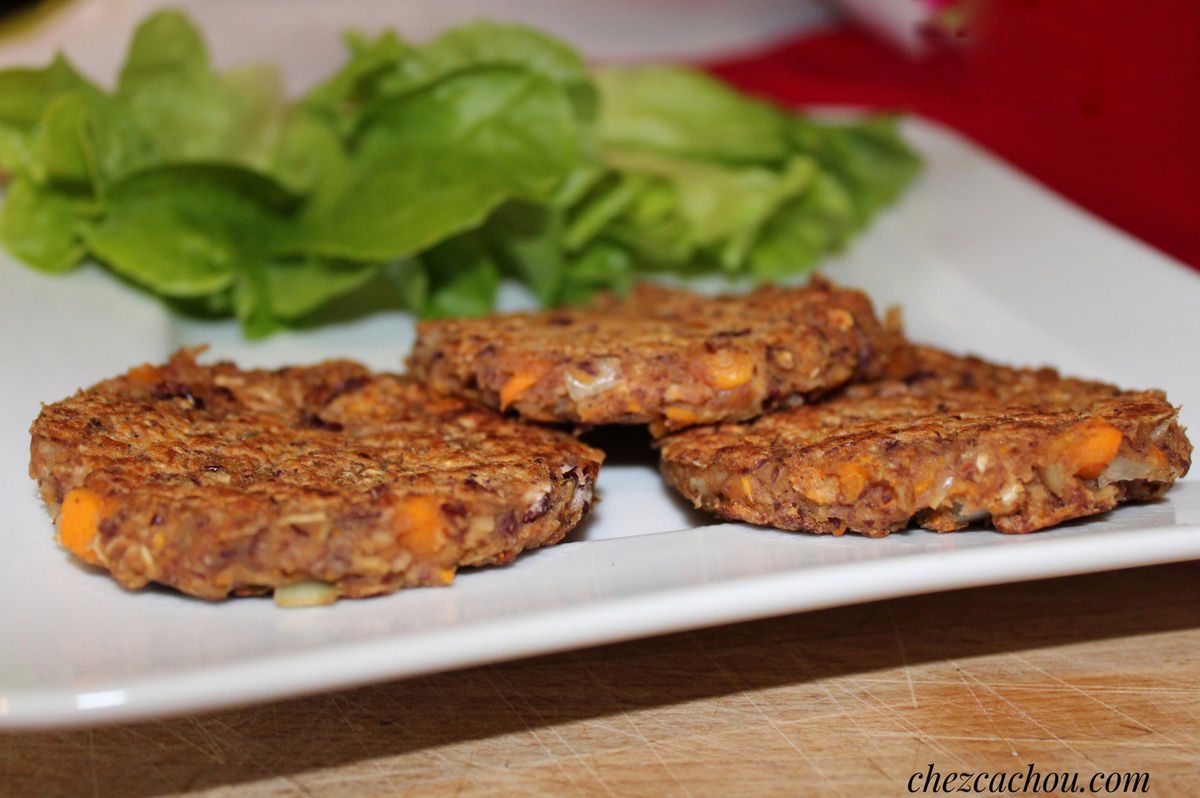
{"x":664,"y":357}
{"x":215,"y":480}
{"x":954,"y":441}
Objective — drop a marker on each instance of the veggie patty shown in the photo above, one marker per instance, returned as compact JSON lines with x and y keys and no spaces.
{"x":216,"y":480}
{"x":945,"y":442}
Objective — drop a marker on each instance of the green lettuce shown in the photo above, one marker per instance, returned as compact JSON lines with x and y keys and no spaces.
{"x":420,"y":175}
{"x":184,"y":230}
{"x":190,"y":112}
{"x":43,"y":227}
{"x":430,"y":163}
{"x":25,"y":94}
{"x":683,"y":112}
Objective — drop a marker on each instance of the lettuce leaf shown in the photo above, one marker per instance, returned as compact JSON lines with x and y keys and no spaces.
{"x":702,"y":178}
{"x":462,"y":279}
{"x":25,"y":94}
{"x":483,"y":42}
{"x":420,"y":174}
{"x":87,"y":141}
{"x":869,"y":158}
{"x":42,"y":227}
{"x":437,"y":161}
{"x":685,"y":112}
{"x":184,"y":230}
{"x":272,"y":293}
{"x":376,"y":68}
{"x":179,"y":102}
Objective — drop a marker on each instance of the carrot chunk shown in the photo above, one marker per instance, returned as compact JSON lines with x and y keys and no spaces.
{"x":841,"y":318}
{"x":519,"y":383}
{"x":144,"y":374}
{"x":79,"y":521}
{"x":726,"y":369}
{"x":852,"y":480}
{"x":1088,"y":448}
{"x":1158,"y":458}
{"x":681,"y":415}
{"x":419,"y":525}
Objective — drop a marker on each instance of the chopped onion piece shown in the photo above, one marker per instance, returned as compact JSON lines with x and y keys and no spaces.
{"x":1122,"y":469}
{"x":1055,"y":478}
{"x":582,"y":386}
{"x":939,"y":493}
{"x":306,"y":594}
{"x":962,"y":516}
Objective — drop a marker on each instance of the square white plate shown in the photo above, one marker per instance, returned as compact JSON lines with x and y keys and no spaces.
{"x":982,"y":259}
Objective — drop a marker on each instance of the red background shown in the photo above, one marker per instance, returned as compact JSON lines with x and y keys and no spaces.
{"x":1098,"y":100}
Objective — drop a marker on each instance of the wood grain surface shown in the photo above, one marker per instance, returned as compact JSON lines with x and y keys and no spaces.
{"x":1091,"y":673}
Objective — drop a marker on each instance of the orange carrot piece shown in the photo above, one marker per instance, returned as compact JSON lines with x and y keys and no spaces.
{"x":79,"y":521}
{"x":419,"y":525}
{"x":1089,"y":447}
{"x":726,"y":369}
{"x":519,"y":383}
{"x":852,"y":480}
{"x":681,"y":415}
{"x":144,"y":374}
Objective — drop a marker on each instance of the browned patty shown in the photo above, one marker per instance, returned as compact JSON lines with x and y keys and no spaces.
{"x":958,"y":440}
{"x":664,"y":357}
{"x":214,"y":480}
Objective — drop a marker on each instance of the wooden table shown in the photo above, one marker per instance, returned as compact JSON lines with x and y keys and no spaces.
{"x":1092,"y":673}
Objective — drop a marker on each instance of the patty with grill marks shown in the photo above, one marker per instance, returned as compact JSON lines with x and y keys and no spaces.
{"x":661,"y":356}
{"x":215,"y":480}
{"x":945,"y":441}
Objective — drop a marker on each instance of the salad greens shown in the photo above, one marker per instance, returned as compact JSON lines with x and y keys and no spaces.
{"x":438,"y":169}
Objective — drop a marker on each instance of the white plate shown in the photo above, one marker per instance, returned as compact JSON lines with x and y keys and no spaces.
{"x":982,"y":259}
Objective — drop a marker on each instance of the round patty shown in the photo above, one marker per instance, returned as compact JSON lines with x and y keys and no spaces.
{"x":214,"y":480}
{"x":663,"y":357}
{"x":957,"y":440}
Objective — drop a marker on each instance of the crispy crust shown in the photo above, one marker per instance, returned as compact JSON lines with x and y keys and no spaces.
{"x":661,"y":356}
{"x":216,"y":480}
{"x":955,"y":441}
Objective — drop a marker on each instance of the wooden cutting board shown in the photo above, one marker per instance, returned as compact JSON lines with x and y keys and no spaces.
{"x":1091,"y":674}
